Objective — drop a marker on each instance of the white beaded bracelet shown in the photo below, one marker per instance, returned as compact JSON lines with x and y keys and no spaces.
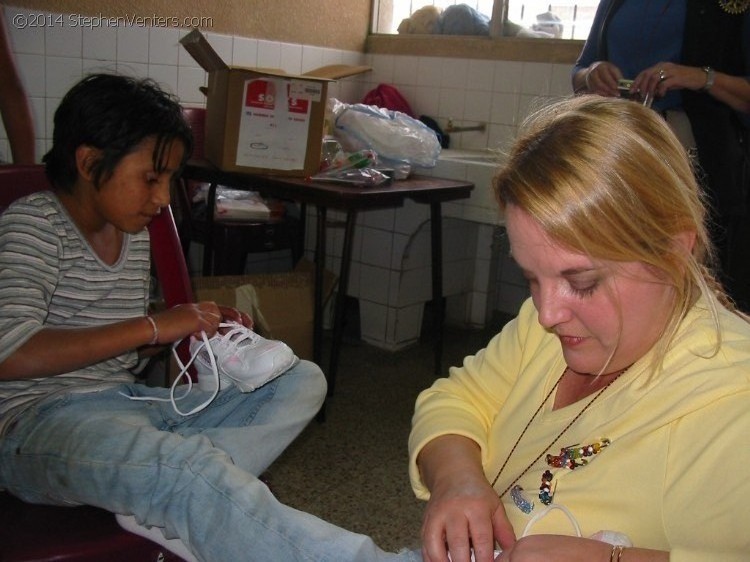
{"x":155,"y":337}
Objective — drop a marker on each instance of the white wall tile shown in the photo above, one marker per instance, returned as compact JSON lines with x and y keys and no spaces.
{"x":408,"y":326}
{"x":373,"y":320}
{"x":380,"y":218}
{"x":244,"y":52}
{"x":454,"y":73}
{"x":134,"y":69}
{"x":291,"y":58}
{"x":560,"y":84}
{"x":222,"y":44}
{"x":537,"y":77}
{"x":93,"y":66}
{"x":99,"y":43}
{"x":410,"y":217}
{"x":312,"y":58}
{"x":63,"y":41}
{"x":504,"y":109}
{"x":405,"y":71}
{"x":480,"y":75}
{"x":426,"y":100}
{"x":430,"y":71}
{"x":452,"y":102}
{"x":374,"y":283}
{"x":132,"y":44}
{"x":508,"y":76}
{"x":377,"y":246}
{"x":269,"y":54}
{"x":382,"y":69}
{"x":61,"y":74}
{"x":189,"y":81}
{"x":32,"y":70}
{"x":165,"y":75}
{"x":164,"y":46}
{"x":331,"y":56}
{"x":477,"y":105}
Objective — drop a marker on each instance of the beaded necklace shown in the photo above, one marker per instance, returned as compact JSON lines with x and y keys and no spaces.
{"x":559,"y":435}
{"x":734,"y":6}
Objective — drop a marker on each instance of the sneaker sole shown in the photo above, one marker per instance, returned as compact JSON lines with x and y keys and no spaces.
{"x":247,"y":386}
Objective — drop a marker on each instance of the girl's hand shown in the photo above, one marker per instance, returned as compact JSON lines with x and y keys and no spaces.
{"x":233,"y":315}
{"x":183,"y":320}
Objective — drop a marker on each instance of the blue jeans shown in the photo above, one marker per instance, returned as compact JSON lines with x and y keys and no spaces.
{"x":194,"y":477}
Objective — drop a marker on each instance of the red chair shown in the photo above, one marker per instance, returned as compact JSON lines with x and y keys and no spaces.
{"x":37,"y":533}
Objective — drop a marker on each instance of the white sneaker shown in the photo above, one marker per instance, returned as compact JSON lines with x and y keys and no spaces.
{"x":209,"y":380}
{"x":244,"y":358}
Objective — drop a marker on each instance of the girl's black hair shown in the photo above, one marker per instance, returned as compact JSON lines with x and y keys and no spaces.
{"x":114,"y":114}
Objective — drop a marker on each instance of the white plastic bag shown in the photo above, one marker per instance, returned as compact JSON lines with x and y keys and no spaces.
{"x":393,"y":135}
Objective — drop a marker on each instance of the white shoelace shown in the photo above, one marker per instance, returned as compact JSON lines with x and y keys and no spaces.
{"x":184,"y":372}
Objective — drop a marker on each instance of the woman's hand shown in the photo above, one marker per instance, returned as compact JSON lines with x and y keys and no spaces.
{"x":554,"y":548}
{"x":601,"y":78}
{"x":464,"y":512}
{"x":464,"y":516}
{"x":665,"y":76}
{"x":559,"y":548}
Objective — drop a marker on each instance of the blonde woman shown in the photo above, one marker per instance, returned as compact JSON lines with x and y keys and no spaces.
{"x":609,"y":421}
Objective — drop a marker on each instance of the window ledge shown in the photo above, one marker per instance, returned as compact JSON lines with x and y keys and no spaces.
{"x":462,"y":46}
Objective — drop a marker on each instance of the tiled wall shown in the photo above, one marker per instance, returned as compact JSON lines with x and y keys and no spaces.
{"x":390,"y":269}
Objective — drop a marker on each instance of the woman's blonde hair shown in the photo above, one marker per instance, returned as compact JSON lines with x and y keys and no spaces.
{"x":607,"y":177}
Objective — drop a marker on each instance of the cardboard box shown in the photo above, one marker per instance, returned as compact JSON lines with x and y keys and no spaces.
{"x":264,"y":120}
{"x":281,"y":304}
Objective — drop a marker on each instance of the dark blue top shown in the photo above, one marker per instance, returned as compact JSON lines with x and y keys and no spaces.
{"x":640,"y":34}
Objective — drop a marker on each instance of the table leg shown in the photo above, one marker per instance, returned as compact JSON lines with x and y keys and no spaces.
{"x":208,"y":247}
{"x":320,"y":263}
{"x":436,"y":227}
{"x":339,"y":312}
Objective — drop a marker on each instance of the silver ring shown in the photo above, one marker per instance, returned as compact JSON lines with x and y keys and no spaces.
{"x":662,"y":75}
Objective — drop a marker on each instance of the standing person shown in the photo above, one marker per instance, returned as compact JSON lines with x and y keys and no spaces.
{"x":14,"y":105}
{"x":693,"y":56}
{"x":614,"y":408}
{"x":74,"y":280}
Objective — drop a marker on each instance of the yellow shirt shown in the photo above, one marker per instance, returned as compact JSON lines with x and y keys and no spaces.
{"x":675,"y":475}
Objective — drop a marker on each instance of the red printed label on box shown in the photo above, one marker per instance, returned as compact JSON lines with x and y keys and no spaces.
{"x":260,"y":94}
{"x":297,"y":105}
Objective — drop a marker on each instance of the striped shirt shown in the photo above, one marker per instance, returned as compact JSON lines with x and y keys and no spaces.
{"x":51,"y":277}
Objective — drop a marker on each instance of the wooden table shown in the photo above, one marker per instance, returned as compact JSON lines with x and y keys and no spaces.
{"x":432,"y":191}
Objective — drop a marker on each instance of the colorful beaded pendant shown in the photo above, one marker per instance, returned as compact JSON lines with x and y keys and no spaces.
{"x":570,"y":458}
{"x":520,"y":500}
{"x":545,"y":490}
{"x":575,"y":456}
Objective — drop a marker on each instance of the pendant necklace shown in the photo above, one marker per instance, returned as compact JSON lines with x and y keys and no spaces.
{"x":556,"y":439}
{"x":734,"y":6}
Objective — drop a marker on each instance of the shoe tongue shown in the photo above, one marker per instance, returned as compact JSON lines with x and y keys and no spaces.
{"x":241,"y":336}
